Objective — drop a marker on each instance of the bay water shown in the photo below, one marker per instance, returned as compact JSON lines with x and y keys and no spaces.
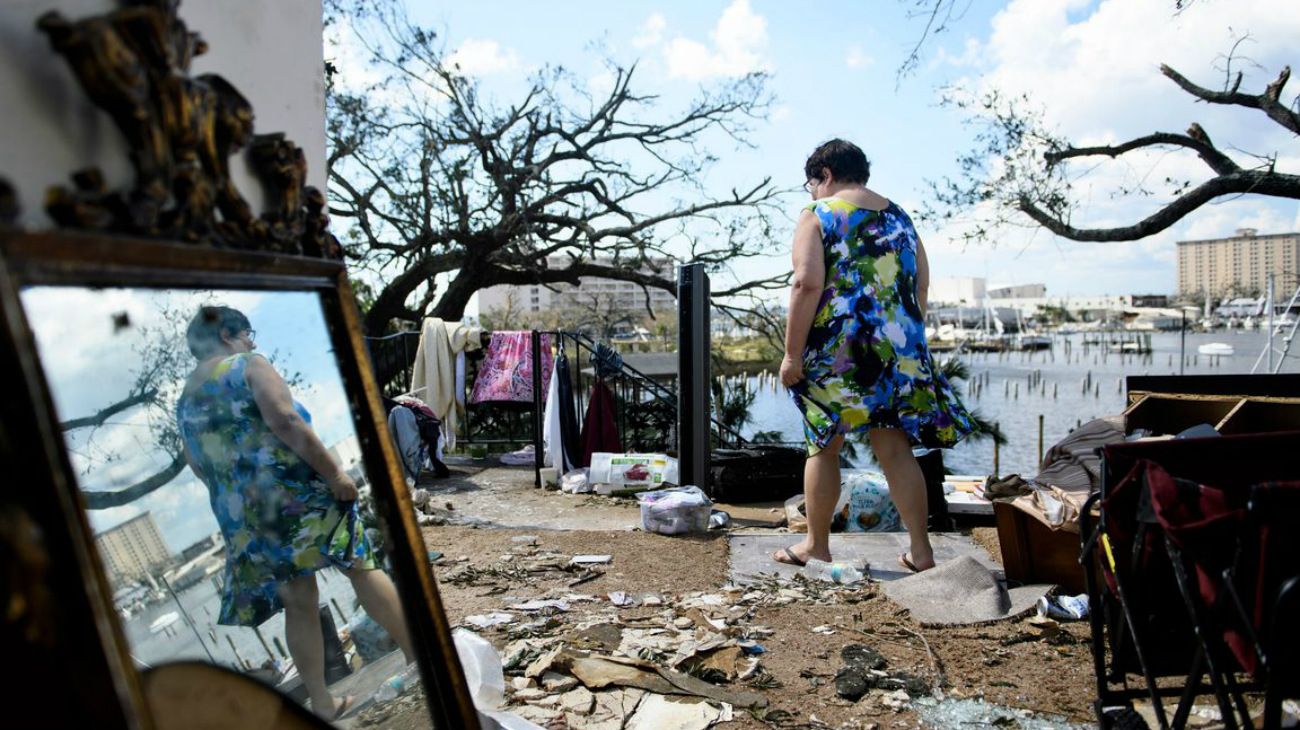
{"x":1005,"y":394}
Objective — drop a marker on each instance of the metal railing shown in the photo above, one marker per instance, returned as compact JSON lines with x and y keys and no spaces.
{"x":636,"y":393}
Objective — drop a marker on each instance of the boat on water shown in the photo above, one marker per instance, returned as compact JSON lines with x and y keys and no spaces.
{"x":1033,"y":342}
{"x":1131,"y":347}
{"x":1216,"y":348}
{"x":163,"y":621}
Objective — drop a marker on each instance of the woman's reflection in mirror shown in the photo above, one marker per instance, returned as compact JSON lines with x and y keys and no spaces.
{"x":286,"y":508}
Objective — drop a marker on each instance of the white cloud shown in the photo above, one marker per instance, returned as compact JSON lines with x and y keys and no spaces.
{"x":483,"y":57}
{"x":739,"y":41}
{"x":651,"y":33}
{"x":857,"y":59}
{"x":781,"y":113}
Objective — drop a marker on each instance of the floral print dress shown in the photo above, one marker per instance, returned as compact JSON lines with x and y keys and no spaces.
{"x":866,"y":364}
{"x":278,"y":518}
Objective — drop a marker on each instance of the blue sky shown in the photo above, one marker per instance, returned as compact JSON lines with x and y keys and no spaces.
{"x":1092,"y":65}
{"x":90,"y":364}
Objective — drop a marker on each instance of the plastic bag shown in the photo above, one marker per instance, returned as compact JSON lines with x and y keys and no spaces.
{"x":576,"y":482}
{"x":866,"y":504}
{"x":675,"y":511}
{"x":485,"y":678}
{"x":369,"y":638}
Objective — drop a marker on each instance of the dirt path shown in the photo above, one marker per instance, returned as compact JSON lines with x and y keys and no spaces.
{"x":486,"y":569}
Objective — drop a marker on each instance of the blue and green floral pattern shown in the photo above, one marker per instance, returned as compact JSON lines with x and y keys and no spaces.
{"x":278,"y":518}
{"x":866,"y":364}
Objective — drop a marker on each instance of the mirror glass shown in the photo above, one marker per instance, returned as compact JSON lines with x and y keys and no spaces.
{"x":211,"y":437}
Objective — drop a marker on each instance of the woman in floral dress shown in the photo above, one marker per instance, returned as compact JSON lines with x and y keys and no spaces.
{"x":286,"y":508}
{"x":855,"y":352}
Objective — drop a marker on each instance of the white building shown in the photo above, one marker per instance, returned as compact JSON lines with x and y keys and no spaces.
{"x":1239,"y":263}
{"x":590,"y":293}
{"x":133,"y":549}
{"x":969,"y":291}
{"x":1019,"y":291}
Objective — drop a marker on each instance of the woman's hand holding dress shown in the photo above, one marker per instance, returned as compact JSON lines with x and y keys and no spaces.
{"x":342,"y":486}
{"x":791,"y":371}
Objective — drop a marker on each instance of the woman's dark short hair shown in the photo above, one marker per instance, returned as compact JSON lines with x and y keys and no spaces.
{"x":844,"y":159}
{"x":205,"y":330}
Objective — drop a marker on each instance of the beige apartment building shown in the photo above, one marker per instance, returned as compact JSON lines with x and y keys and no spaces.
{"x":133,"y":548}
{"x":591,"y":292}
{"x":1238,"y":265}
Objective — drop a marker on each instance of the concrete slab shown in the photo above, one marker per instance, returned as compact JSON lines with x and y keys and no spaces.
{"x":751,"y":552}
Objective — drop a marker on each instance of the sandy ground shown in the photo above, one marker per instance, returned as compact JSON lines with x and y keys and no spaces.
{"x":1008,"y":663}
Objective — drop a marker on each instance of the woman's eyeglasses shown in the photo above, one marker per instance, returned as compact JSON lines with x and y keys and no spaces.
{"x":810,"y":185}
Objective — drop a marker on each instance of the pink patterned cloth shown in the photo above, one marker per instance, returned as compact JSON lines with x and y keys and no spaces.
{"x":506,"y":373}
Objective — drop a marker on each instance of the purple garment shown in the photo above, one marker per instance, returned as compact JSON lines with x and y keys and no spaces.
{"x":507,"y":370}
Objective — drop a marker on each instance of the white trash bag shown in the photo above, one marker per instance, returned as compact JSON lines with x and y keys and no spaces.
{"x":576,"y":482}
{"x":675,"y":511}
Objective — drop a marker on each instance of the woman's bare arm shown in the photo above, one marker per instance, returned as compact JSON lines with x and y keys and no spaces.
{"x":275,"y":403}
{"x":805,"y":292}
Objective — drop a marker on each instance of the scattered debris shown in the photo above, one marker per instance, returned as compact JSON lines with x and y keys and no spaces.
{"x":591,"y":559}
{"x":657,"y":712}
{"x":488,"y":620}
{"x":553,"y":605}
{"x":860,"y":671}
{"x":1066,"y":608}
{"x":977,"y":714}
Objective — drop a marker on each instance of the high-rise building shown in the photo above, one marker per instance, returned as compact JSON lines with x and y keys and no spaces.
{"x":133,"y":548}
{"x":1238,"y":265}
{"x":590,"y":293}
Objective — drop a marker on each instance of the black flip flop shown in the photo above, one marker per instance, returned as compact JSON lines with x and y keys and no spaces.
{"x":906,"y":563}
{"x":794,"y":559}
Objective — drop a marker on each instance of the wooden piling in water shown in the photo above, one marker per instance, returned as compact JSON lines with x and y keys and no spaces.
{"x":1040,"y":439}
{"x":262,"y":640}
{"x":242,"y":664}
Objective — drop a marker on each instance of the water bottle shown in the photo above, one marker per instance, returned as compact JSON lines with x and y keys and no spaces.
{"x":396,"y":684}
{"x":842,"y":573}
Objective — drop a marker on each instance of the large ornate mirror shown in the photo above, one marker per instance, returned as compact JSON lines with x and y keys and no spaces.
{"x":225,"y":453}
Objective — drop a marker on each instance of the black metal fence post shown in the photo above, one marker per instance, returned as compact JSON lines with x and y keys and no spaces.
{"x":693,"y":406}
{"x":538,"y":463}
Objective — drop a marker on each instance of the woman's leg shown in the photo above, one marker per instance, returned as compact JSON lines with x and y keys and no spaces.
{"x":821,"y":489}
{"x":907,"y":489}
{"x":302,"y":633}
{"x":378,"y":597}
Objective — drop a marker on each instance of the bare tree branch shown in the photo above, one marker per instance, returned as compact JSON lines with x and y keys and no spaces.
{"x":447,"y":193}
{"x":97,"y":499}
{"x":1268,"y":102}
{"x":1249,"y":181}
{"x":1195,"y":139}
{"x":98,"y":418}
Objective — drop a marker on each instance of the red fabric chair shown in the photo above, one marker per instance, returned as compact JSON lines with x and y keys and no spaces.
{"x":1138,"y":609}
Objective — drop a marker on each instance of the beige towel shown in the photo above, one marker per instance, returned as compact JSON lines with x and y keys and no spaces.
{"x":435,"y":369}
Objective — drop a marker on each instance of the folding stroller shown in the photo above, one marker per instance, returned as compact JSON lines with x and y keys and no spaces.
{"x":1142,"y":622}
